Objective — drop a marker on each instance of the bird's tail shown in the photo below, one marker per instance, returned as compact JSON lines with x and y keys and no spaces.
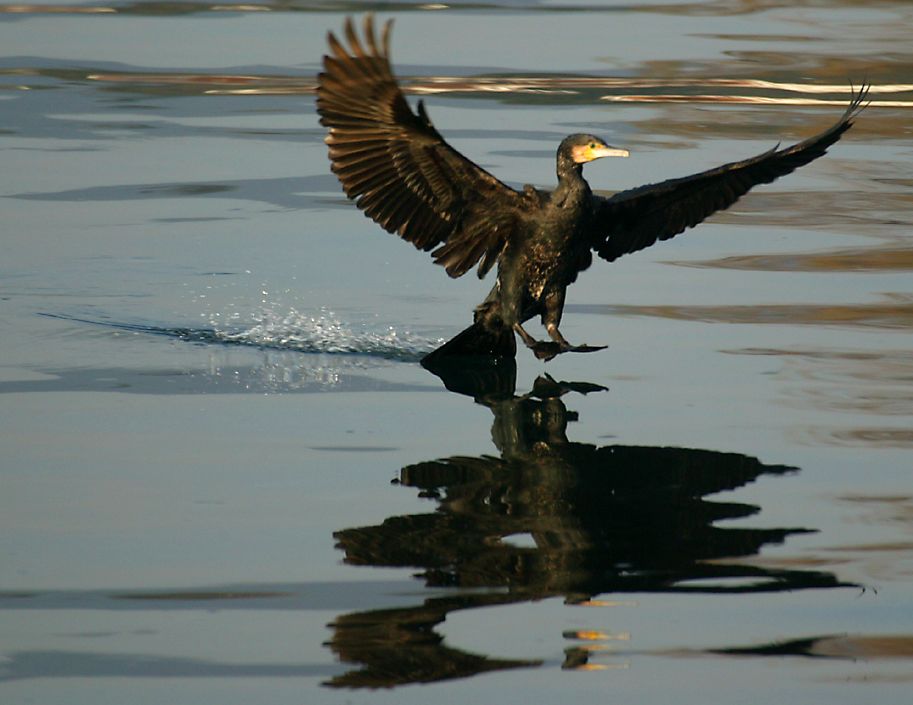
{"x":478,"y":343}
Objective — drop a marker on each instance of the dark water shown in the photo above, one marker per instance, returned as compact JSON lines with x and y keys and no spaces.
{"x":225,"y":478}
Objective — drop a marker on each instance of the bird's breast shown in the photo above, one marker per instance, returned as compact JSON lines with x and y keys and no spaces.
{"x":550,"y":258}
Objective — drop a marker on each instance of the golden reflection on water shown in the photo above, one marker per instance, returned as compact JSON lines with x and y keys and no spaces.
{"x":866,"y":647}
{"x":894,"y":314}
{"x":547,"y":85}
{"x":149,"y":8}
{"x":746,"y":99}
{"x":859,"y":646}
{"x":875,"y":437}
{"x":594,"y":635}
{"x":55,"y":9}
{"x":874,"y":259}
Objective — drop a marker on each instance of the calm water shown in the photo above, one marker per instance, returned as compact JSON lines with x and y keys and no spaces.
{"x":225,"y":478}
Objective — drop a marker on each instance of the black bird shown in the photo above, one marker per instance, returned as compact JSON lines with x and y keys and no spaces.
{"x":402,"y":173}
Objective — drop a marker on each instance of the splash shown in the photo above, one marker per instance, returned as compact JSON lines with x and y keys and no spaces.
{"x":325,"y":333}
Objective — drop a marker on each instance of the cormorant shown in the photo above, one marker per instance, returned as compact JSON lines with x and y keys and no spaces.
{"x":402,"y":173}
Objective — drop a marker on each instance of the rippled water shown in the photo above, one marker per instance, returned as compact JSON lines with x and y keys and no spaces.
{"x":225,"y":478}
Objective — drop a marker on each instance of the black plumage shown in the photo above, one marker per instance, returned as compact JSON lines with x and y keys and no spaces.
{"x":402,"y":173}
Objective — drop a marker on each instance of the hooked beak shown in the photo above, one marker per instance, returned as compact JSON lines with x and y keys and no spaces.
{"x":607,"y":151}
{"x":581,"y":154}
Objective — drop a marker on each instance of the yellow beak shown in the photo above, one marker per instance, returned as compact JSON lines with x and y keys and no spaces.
{"x":606,"y":151}
{"x":585,"y":153}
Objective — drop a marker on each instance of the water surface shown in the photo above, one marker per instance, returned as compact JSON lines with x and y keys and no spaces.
{"x":226,"y":478}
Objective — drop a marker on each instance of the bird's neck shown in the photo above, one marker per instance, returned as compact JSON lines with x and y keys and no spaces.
{"x":570,"y":173}
{"x":571,"y":183}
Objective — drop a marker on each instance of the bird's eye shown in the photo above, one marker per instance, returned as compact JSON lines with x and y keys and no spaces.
{"x":592,"y":145}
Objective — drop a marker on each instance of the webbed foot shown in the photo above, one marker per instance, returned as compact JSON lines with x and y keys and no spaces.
{"x":547,"y":350}
{"x":584,"y":348}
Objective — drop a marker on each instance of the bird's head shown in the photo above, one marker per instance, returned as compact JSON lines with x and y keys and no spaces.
{"x":585,"y":148}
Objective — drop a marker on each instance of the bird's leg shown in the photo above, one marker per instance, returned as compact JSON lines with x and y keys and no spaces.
{"x":541,"y":349}
{"x":510,"y":291}
{"x":551,"y":318}
{"x":552,"y":329}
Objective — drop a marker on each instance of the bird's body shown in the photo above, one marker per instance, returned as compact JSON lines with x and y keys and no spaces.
{"x":403,"y":174}
{"x":546,"y":252}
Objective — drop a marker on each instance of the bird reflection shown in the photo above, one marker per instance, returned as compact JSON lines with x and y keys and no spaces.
{"x":550,"y":517}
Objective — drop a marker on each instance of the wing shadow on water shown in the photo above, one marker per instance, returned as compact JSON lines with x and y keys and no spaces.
{"x":595,"y":519}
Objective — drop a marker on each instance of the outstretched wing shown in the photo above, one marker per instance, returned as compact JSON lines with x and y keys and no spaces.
{"x":632,"y":220}
{"x":398,"y":168}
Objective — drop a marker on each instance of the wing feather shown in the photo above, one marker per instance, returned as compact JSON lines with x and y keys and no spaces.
{"x":633,"y":220}
{"x":396,"y":166}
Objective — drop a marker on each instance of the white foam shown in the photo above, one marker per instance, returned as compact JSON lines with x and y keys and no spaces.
{"x":323,"y":332}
